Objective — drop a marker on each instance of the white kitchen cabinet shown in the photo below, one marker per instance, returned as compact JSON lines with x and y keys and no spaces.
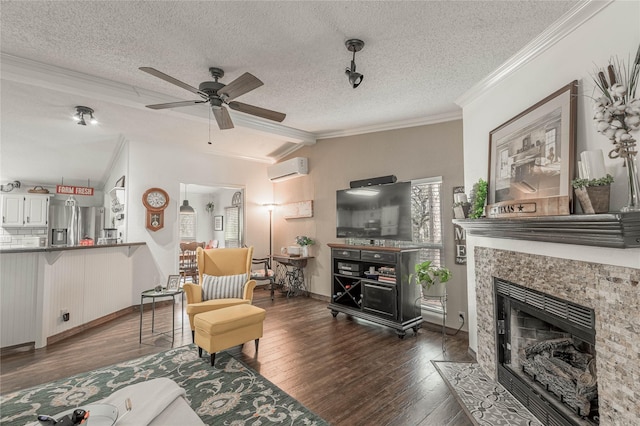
{"x":25,"y":210}
{"x":36,"y":211}
{"x":12,"y":210}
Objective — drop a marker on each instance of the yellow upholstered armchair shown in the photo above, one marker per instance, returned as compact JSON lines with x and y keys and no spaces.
{"x":221,"y":262}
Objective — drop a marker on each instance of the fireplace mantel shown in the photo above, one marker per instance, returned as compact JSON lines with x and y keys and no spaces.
{"x":617,"y":230}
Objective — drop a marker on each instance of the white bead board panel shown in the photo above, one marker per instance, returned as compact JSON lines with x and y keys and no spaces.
{"x":108,"y":285}
{"x":63,"y":290}
{"x":89,"y":284}
{"x":18,"y":278}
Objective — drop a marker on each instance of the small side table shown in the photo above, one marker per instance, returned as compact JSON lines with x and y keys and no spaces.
{"x":442,"y":301}
{"x":160,"y":294}
{"x":290,"y":272}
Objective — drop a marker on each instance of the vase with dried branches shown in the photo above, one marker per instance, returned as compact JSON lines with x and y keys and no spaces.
{"x":617,"y":115}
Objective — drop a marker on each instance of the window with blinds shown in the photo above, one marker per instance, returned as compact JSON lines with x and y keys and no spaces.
{"x":426,"y":215}
{"x":187,"y":226}
{"x":232,"y":227}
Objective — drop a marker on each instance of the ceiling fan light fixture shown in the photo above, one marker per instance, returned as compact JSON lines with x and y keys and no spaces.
{"x":354,"y":45}
{"x":219,"y":95}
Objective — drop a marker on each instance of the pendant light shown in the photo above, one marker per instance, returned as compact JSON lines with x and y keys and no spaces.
{"x":185,"y":207}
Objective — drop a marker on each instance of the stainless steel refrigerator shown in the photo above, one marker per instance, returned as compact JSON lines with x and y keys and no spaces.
{"x":79,"y":222}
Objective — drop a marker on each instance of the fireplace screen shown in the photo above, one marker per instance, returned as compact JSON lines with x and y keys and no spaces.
{"x":546,"y":355}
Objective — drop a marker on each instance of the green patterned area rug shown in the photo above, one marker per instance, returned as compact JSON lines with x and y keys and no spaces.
{"x":229,"y":394}
{"x":487,"y":403}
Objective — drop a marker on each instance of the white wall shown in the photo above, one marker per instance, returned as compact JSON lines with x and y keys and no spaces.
{"x":615,"y":30}
{"x":167,"y":168}
{"x":119,"y":168}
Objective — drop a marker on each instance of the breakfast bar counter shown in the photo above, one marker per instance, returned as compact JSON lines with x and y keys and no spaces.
{"x":39,"y":285}
{"x":64,"y":248}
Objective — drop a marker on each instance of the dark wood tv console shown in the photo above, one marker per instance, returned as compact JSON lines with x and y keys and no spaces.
{"x":385,"y":297}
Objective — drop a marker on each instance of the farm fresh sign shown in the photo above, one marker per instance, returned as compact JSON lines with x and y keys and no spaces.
{"x":74,"y":190}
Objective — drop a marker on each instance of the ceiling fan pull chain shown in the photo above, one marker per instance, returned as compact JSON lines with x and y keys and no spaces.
{"x":209,"y":126}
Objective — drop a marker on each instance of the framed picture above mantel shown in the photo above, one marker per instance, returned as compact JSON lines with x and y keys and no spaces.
{"x":531,"y":159}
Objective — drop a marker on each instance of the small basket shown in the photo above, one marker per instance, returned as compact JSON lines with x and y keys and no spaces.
{"x":38,"y":190}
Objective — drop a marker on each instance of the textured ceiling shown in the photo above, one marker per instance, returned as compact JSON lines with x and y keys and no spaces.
{"x":419,"y":56}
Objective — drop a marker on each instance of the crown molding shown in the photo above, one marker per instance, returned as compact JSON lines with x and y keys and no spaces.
{"x":394,"y":125}
{"x":38,"y":74}
{"x":565,"y":25}
{"x":292,"y":135}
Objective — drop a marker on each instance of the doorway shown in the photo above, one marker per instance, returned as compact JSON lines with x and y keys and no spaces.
{"x":214,"y":214}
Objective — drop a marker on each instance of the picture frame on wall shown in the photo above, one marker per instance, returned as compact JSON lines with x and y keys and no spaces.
{"x":218,"y":223}
{"x":531,"y":159}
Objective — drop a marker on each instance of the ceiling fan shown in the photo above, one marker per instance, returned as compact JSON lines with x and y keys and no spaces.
{"x":218,"y":94}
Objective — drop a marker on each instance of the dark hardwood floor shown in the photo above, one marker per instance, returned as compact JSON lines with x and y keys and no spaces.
{"x":348,"y":371}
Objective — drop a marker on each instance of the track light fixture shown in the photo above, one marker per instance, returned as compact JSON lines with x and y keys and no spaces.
{"x":354,"y":45}
{"x":80,"y":113}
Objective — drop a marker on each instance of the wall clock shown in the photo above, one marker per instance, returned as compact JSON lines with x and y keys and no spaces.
{"x":155,"y":201}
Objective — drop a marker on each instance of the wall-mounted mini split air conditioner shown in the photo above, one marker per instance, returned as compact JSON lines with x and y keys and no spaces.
{"x":288,"y":169}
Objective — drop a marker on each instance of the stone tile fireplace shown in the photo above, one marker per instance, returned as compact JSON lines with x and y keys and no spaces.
{"x":610,"y":294}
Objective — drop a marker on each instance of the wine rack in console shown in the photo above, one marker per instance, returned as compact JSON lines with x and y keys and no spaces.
{"x":372,"y":283}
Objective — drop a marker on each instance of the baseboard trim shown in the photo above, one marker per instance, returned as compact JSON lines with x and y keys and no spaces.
{"x":96,"y":322}
{"x":319,"y":297}
{"x":438,"y":327}
{"x":17,"y":349}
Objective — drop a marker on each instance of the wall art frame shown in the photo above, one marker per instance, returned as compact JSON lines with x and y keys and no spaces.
{"x":297,"y":210}
{"x":218,"y":223}
{"x":531,"y":159}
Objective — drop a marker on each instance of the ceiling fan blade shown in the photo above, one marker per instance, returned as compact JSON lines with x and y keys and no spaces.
{"x":241,"y":85}
{"x":174,"y":104}
{"x":154,"y":72}
{"x":223,"y":118}
{"x":260,"y":112}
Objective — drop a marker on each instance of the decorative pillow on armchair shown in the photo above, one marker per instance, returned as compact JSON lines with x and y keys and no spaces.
{"x":223,"y":287}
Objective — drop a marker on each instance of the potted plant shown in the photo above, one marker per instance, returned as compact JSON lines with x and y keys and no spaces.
{"x":209,"y":207}
{"x":593,"y":194}
{"x":432,"y":278}
{"x":478,"y":199}
{"x":304,"y":242}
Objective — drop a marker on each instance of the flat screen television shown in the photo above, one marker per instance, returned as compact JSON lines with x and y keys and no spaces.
{"x":375,"y":212}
